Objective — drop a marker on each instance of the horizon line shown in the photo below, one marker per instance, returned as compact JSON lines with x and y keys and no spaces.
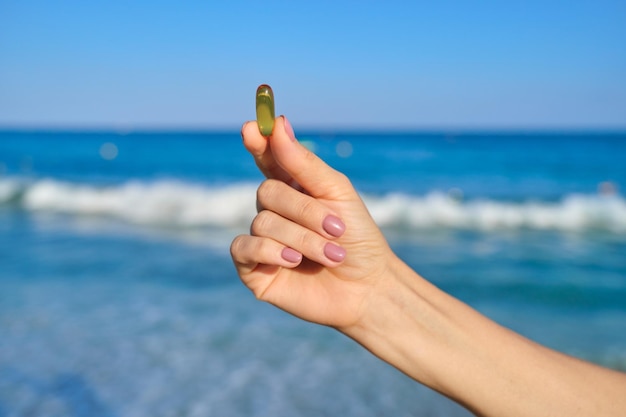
{"x":128,"y":129}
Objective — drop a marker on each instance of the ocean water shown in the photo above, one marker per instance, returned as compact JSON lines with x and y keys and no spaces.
{"x":118,"y":296}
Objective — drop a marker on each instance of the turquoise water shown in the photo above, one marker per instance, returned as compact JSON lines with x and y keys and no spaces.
{"x":118,"y":297}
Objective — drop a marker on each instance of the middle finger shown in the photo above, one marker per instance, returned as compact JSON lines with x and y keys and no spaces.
{"x":300,"y":208}
{"x":309,"y":243}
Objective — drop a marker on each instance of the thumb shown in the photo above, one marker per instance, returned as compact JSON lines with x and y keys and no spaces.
{"x":306,"y":168}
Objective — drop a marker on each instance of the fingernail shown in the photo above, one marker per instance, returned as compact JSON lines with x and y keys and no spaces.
{"x":334,"y":252}
{"x":291,"y":255}
{"x":289,"y":129}
{"x":333,"y":226}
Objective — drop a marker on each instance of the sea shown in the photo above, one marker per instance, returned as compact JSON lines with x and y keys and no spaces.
{"x":118,"y":296}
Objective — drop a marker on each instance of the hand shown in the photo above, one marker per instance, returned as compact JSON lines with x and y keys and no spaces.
{"x":360,"y":287}
{"x":313,"y":250}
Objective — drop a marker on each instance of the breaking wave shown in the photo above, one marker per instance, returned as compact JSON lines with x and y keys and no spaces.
{"x":169,"y":203}
{"x":575,"y":212}
{"x":183,"y":204}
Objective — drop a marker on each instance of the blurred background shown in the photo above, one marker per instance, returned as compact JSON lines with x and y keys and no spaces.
{"x":487,"y":139}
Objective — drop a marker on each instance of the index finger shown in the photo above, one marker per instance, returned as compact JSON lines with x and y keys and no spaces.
{"x":259,"y":148}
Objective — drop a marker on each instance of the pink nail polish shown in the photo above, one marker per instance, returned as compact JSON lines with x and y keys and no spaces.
{"x":334,"y":226}
{"x":291,"y":255}
{"x":289,"y":129}
{"x":334,"y":252}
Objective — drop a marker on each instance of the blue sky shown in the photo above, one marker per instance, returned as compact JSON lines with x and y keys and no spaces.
{"x":332,"y":64}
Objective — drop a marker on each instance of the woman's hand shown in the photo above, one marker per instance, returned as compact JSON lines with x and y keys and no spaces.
{"x":313,"y":249}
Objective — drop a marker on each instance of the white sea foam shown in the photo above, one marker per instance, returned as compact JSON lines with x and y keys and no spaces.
{"x":572,"y":213}
{"x":168,"y":203}
{"x":183,"y":204}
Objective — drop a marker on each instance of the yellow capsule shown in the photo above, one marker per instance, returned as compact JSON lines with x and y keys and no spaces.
{"x":265,"y":109}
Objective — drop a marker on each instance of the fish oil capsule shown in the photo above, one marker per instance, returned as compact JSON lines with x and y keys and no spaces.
{"x":265,"y":109}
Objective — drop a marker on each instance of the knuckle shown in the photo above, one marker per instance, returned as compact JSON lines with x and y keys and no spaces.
{"x":305,"y":241}
{"x":306,"y":208}
{"x":237,"y":245}
{"x":342,"y":185}
{"x":342,"y":180}
{"x":301,"y":240}
{"x":309,"y":159}
{"x":267,"y":190}
{"x":309,"y":156}
{"x":261,"y":223}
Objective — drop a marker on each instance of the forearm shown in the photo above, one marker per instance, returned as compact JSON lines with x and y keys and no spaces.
{"x":444,"y":344}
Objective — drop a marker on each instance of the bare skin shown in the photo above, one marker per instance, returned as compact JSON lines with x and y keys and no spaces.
{"x":315,"y":252}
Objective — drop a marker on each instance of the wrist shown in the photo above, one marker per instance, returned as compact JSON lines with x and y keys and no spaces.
{"x":398,"y":320}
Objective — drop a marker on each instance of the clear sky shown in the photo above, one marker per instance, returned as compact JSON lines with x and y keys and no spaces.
{"x":536,"y":64}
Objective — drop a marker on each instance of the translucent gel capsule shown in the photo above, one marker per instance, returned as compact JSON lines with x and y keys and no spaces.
{"x":265,"y":109}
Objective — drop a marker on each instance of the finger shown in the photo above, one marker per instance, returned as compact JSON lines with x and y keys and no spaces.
{"x":258,"y":146}
{"x":313,"y":174}
{"x":258,"y":262}
{"x":305,"y":241}
{"x":248,"y":252}
{"x":301,"y":208}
